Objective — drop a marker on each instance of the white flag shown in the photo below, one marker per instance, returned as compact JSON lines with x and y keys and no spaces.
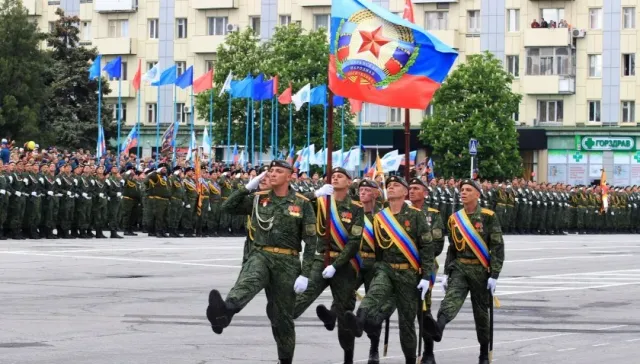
{"x":227,"y":84}
{"x":192,"y":146}
{"x":206,"y":142}
{"x":390,"y":161}
{"x":153,"y":74}
{"x":302,"y":96}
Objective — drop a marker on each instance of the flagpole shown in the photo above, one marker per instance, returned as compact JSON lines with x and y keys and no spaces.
{"x":229,"y":128}
{"x":342,"y":131}
{"x":329,"y":149}
{"x":309,"y":124}
{"x":253,"y":132}
{"x":138,"y":131}
{"x":260,"y":154}
{"x":192,"y":115}
{"x":275,"y":133}
{"x":359,"y":132}
{"x":175,"y":129}
{"x":246,"y":136}
{"x":324,"y":138}
{"x":271,"y":130}
{"x":290,"y":128}
{"x":119,"y":114}
{"x":158,"y":126}
{"x":210,"y":128}
{"x":407,"y":118}
{"x":100,"y":104}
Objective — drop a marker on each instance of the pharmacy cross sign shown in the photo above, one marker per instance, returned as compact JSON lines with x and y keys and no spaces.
{"x":578,"y":156}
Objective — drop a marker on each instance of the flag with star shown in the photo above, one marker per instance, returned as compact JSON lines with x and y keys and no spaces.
{"x":376,"y":56}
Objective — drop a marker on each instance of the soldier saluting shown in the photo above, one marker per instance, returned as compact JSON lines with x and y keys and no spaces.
{"x":281,"y":218}
{"x":474,"y":261}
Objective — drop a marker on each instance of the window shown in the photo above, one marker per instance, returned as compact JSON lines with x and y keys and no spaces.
{"x":321,"y":21}
{"x":628,"y":18}
{"x":153,"y":28}
{"x":594,"y":111}
{"x":550,"y":111}
{"x":181,"y":28}
{"x":396,"y":115}
{"x":629,"y":64}
{"x":124,"y":112}
{"x":285,"y":19}
{"x":429,"y":110}
{"x":513,"y":24}
{"x":595,"y":65}
{"x":123,"y":72}
{"x":516,"y":117}
{"x":552,"y":15}
{"x":52,"y":26}
{"x":217,"y":25}
{"x":548,"y":61}
{"x":150,"y":65}
{"x":473,"y":25}
{"x":151,"y":113}
{"x":86,"y":30}
{"x":255,"y":25}
{"x":181,"y":115}
{"x":628,"y":111}
{"x":181,"y":66}
{"x":595,"y":18}
{"x":513,"y":65}
{"x":209,"y":65}
{"x":118,"y":28}
{"x":436,"y":20}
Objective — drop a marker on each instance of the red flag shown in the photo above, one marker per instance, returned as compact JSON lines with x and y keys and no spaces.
{"x":275,"y":85}
{"x":285,"y":97}
{"x":137,"y":77}
{"x":356,"y":106}
{"x":203,"y":83}
{"x":408,"y":11}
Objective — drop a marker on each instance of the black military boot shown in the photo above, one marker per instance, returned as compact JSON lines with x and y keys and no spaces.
{"x":219,"y":312}
{"x":173,"y":233}
{"x":284,"y":361}
{"x":33,"y":233}
{"x":188,"y":233}
{"x":100,"y":234}
{"x":327,"y":316}
{"x":129,"y":232}
{"x":427,"y":356}
{"x":409,"y":359}
{"x":484,"y":354}
{"x":16,"y":234}
{"x":374,"y":356}
{"x":90,"y":233}
{"x":355,"y":322}
{"x":114,"y":235}
{"x":433,"y":328}
{"x":348,"y":357}
{"x":2,"y":236}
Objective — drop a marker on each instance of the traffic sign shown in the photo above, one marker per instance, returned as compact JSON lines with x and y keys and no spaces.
{"x":473,"y":146}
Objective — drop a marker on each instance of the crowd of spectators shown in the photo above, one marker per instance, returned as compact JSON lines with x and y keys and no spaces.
{"x":551,"y":24}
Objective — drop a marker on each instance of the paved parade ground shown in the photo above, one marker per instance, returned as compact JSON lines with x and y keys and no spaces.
{"x":565,"y":299}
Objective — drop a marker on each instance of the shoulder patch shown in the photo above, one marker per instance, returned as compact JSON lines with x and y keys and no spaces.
{"x":357,"y":203}
{"x":263,"y":192}
{"x":431,"y":209}
{"x":301,"y":196}
{"x":488,"y":212}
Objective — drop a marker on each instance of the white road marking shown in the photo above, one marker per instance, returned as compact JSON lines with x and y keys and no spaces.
{"x":567,"y":349}
{"x":212,"y":260}
{"x":526,"y":355}
{"x":578,"y":248}
{"x":603,"y":344}
{"x":632,"y":340}
{"x":571,"y":257}
{"x":229,"y":247}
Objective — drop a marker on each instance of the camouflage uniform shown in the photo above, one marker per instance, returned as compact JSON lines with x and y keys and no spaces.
{"x":176,"y":204}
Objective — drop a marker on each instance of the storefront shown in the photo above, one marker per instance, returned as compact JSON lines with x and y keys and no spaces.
{"x":579,"y":159}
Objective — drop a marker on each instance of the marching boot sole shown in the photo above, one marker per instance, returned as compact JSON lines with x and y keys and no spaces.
{"x":428,"y":359}
{"x":351,"y":321}
{"x":431,"y":328}
{"x":326,"y":316}
{"x":217,"y":312}
{"x":374,"y":358}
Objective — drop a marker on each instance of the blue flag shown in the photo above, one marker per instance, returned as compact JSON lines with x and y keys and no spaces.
{"x":242,"y":89}
{"x":186,"y":78}
{"x":114,"y":67}
{"x":94,"y":69}
{"x":338,"y":101}
{"x":318,"y":95}
{"x":263,"y":90}
{"x":168,"y":77}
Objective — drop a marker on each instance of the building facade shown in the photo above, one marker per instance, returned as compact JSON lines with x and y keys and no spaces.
{"x":577,"y":75}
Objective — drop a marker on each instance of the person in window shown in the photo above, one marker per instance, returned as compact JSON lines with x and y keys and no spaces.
{"x":544,"y":24}
{"x":535,"y":24}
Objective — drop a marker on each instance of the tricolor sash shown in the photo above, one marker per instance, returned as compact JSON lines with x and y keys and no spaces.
{"x":337,"y":230}
{"x":472,"y":237}
{"x":399,"y":237}
{"x":367,"y":233}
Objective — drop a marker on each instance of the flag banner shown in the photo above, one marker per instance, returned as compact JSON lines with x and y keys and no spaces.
{"x":186,"y":78}
{"x":152,"y":75}
{"x":412,"y":158}
{"x":206,"y":142}
{"x":338,"y":101}
{"x":236,"y":157}
{"x":390,"y":161}
{"x":263,"y":90}
{"x":114,"y":67}
{"x":203,"y":83}
{"x":226,"y":87}
{"x":318,"y":95}
{"x":101,"y":147}
{"x":291,"y":155}
{"x":193,"y":147}
{"x":285,"y":97}
{"x":376,"y":56}
{"x":242,"y":89}
{"x":94,"y":69}
{"x":131,"y":141}
{"x":356,"y":106}
{"x":167,"y":77}
{"x":168,"y":138}
{"x":137,"y":77}
{"x":302,"y":96}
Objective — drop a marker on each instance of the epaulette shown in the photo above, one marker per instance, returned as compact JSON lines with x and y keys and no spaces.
{"x":488,"y":212}
{"x":263,"y":192}
{"x":299,"y":195}
{"x":414,"y":208}
{"x":431,"y":209}
{"x":357,"y":203}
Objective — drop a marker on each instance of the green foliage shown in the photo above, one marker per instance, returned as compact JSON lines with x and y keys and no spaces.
{"x":475,"y":101}
{"x":296,"y":57}
{"x":23,"y":69}
{"x":72,"y":108}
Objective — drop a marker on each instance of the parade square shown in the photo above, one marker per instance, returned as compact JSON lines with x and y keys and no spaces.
{"x":565,"y":299}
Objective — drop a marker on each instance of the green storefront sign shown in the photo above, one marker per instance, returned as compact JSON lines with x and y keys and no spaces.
{"x":605,"y":143}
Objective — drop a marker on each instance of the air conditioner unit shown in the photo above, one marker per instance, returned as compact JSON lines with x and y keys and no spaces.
{"x":578,"y":33}
{"x":186,"y":110}
{"x":232,"y":28}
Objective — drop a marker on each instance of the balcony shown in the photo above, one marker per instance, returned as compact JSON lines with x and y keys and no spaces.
{"x":116,"y":46}
{"x":311,"y":3}
{"x":205,"y":43}
{"x":448,"y":37}
{"x":546,"y":37}
{"x":127,"y":89}
{"x":214,"y":4}
{"x":549,"y":85}
{"x":115,"y":6}
{"x":34,"y":7}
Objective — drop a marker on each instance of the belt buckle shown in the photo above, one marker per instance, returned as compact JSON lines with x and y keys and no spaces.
{"x":276,"y":250}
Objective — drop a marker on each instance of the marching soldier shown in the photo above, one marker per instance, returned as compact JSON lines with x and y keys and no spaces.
{"x":130,"y":198}
{"x":159,"y":194}
{"x":191,"y":201}
{"x":474,"y":261}
{"x":67,"y":203}
{"x":177,"y":204}
{"x":216,"y":202}
{"x":99,"y":205}
{"x":5,"y":197}
{"x":49,"y":202}
{"x":114,"y":195}
{"x":282,"y":219}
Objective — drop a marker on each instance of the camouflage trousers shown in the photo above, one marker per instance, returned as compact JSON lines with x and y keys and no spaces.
{"x":467,"y":278}
{"x":158,"y":207}
{"x":344,"y":297}
{"x":82,"y":213}
{"x":50,"y":206}
{"x":175,"y":212}
{"x":189,"y":215}
{"x":99,"y":213}
{"x":113,"y":211}
{"x":276,"y":274}
{"x":32,"y":213}
{"x":67,"y":208}
{"x":4,"y":209}
{"x":18,"y":204}
{"x":127,"y":206}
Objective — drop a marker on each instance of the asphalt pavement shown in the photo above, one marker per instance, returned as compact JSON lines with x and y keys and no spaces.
{"x":565,"y":299}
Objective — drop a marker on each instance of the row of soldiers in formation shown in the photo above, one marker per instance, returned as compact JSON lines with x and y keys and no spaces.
{"x":388,"y":247}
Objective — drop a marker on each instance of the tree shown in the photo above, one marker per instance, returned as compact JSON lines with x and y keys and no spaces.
{"x":72,"y":108}
{"x":475,"y":101}
{"x":297,"y":58}
{"x":22,"y":73}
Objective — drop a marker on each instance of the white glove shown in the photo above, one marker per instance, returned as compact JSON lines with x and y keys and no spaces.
{"x":301,"y":284}
{"x":128,"y":172}
{"x":26,"y":181}
{"x":209,"y":209}
{"x":84,"y":194}
{"x":69,"y":193}
{"x":3,"y":191}
{"x":18,"y":193}
{"x":188,"y":206}
{"x":101,"y":195}
{"x":75,"y":181}
{"x":50,"y":193}
{"x":159,"y":170}
{"x":119,"y":194}
{"x":328,"y":272}
{"x":326,"y":190}
{"x":424,"y":287}
{"x":491,"y":285}
{"x":445,"y":283}
{"x":177,"y":172}
{"x":34,"y":194}
{"x":254,"y":183}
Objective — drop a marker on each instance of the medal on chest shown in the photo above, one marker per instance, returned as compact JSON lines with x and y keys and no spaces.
{"x":264,"y":202}
{"x":346,"y":217}
{"x":478,"y":226}
{"x":407,"y":225}
{"x":294,"y":210}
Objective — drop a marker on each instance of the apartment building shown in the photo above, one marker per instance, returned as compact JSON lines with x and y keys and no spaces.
{"x":577,"y":75}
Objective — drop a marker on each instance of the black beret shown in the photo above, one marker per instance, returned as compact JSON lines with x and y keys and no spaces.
{"x":177,"y":168}
{"x":281,"y":163}
{"x":397,"y":179}
{"x":188,"y":169}
{"x":471,"y":183}
{"x":368,"y":183}
{"x":146,"y":170}
{"x":417,"y":181}
{"x":105,"y":173}
{"x":162,"y":165}
{"x":263,"y":169}
{"x":226,"y":169}
{"x":129,"y":166}
{"x":341,"y":170}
